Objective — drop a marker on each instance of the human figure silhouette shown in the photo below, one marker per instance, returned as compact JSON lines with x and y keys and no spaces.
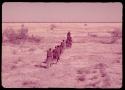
{"x":69,"y":40}
{"x":49,"y":58}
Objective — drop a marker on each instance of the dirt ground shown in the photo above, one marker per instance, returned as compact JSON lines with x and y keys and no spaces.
{"x":89,"y":63}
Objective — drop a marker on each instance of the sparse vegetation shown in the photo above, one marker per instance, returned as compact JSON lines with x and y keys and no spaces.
{"x":86,"y":64}
{"x":16,"y":37}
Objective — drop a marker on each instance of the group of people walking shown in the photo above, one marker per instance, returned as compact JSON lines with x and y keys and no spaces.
{"x":53,"y":55}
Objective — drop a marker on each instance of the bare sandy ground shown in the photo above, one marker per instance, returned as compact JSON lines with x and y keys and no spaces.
{"x":89,"y":63}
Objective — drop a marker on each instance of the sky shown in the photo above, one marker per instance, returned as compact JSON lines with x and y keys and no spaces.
{"x":61,"y":12}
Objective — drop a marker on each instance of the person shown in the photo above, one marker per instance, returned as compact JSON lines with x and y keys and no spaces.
{"x":55,"y":55}
{"x":49,"y":58}
{"x":58,"y":53}
{"x":67,"y":43}
{"x":69,"y":40}
{"x":62,"y":46}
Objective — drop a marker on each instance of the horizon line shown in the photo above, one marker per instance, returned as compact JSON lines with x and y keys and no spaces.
{"x":61,"y":22}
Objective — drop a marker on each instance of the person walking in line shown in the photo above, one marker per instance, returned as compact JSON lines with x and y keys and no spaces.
{"x":55,"y":55}
{"x":58,"y":53}
{"x":49,"y":58}
{"x":62,"y":46}
{"x":69,"y":40}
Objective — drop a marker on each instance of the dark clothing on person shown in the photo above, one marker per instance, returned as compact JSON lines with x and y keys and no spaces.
{"x":58,"y":53}
{"x":58,"y":50}
{"x":55,"y":54}
{"x":69,"y":42}
{"x":62,"y":46}
{"x":49,"y":58}
{"x":68,"y":34}
{"x":49,"y":53}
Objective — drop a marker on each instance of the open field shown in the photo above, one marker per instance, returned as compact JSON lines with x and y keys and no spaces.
{"x":93,"y":61}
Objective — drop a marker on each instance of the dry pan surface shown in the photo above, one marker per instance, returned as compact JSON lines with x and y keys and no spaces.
{"x":89,"y":63}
